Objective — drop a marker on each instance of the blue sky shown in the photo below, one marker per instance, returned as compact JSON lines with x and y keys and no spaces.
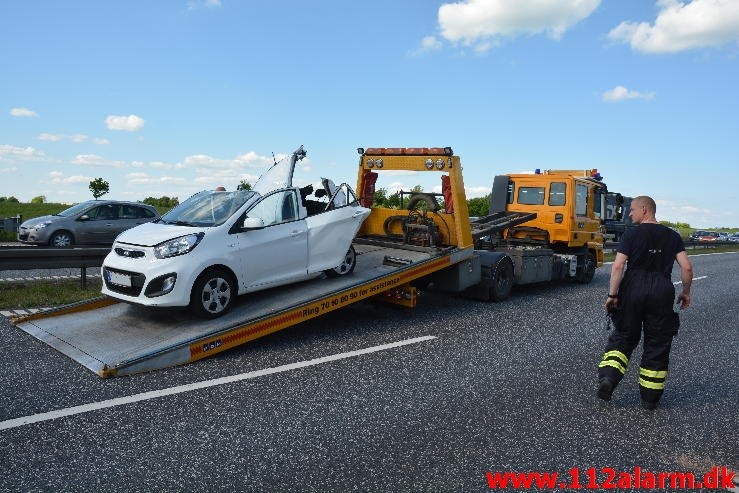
{"x":175,"y":96}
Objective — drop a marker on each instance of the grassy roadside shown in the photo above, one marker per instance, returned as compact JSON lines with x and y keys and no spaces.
{"x":39,"y":294}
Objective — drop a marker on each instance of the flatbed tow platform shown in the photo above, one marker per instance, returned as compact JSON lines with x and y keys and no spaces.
{"x":118,"y":339}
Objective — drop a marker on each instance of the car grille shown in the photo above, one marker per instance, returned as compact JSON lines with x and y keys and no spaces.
{"x":129,"y":252}
{"x":137,"y":281}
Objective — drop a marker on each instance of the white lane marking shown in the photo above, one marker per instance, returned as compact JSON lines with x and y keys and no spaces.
{"x":695,"y":279}
{"x":120,"y":401}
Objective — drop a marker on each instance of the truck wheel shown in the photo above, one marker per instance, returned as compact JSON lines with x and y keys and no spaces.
{"x":347,"y":265}
{"x":61,"y":239}
{"x":213,"y":293}
{"x":502,"y":280}
{"x":586,"y":271}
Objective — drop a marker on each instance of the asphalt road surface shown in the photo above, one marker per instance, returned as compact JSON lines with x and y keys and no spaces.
{"x":495,"y":387}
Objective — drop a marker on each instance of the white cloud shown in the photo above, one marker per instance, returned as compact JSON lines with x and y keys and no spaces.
{"x":59,"y":178}
{"x":427,"y":45}
{"x":12,"y":153}
{"x":481,"y":23}
{"x":130,"y":123}
{"x":473,"y":192}
{"x":96,"y":161}
{"x":620,"y":93}
{"x":145,"y":179}
{"x":23,"y":112}
{"x":76,"y":138}
{"x":50,"y":137}
{"x":250,"y":160}
{"x":8,"y":170}
{"x":683,"y":26}
{"x":203,"y":4}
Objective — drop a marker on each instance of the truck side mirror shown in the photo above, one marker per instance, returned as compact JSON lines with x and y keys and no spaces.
{"x":253,"y":223}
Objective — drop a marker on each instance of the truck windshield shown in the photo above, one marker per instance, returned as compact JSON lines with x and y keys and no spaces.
{"x":208,"y":208}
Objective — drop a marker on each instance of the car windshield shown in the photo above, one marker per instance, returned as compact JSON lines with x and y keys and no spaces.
{"x":208,"y":208}
{"x":76,"y":209}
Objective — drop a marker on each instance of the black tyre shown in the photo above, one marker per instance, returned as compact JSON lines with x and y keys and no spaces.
{"x":213,"y":293}
{"x":585,"y":268}
{"x":61,"y":239}
{"x":346,"y":266}
{"x":502,"y":280}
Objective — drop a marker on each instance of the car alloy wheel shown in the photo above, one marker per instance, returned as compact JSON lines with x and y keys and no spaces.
{"x":213,"y":293}
{"x":346,"y":266}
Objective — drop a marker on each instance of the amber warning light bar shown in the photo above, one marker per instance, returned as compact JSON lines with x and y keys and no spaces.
{"x":406,"y":151}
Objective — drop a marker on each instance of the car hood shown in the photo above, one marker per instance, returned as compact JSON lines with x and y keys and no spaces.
{"x":40,"y":220}
{"x":150,"y":234}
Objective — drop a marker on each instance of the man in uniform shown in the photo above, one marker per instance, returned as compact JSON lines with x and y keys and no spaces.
{"x":640,"y":298}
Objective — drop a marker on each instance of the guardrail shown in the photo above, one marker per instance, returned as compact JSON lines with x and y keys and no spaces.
{"x":610,"y":246}
{"x":53,"y":258}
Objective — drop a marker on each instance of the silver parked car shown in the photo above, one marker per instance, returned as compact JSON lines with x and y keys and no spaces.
{"x":91,"y":222}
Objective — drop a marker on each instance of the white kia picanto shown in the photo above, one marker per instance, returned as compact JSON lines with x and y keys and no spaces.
{"x":217,"y":244}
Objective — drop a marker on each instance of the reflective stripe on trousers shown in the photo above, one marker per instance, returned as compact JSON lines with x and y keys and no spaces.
{"x":615,"y":359}
{"x":652,"y":379}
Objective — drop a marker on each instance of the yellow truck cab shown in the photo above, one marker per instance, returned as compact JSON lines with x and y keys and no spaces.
{"x":567,"y":204}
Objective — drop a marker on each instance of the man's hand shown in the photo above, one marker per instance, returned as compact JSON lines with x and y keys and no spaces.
{"x":683,"y":300}
{"x":611,"y":304}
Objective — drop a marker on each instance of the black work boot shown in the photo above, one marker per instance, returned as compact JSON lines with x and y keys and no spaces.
{"x":605,"y":389}
{"x":649,"y":406}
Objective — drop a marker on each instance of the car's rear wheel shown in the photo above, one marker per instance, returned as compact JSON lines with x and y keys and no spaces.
{"x":61,"y":239}
{"x":346,"y":266}
{"x":213,"y":293}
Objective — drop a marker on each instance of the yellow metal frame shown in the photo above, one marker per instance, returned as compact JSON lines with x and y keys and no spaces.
{"x":454,"y":227}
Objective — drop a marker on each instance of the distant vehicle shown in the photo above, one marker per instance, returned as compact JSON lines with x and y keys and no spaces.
{"x":723,"y":236}
{"x":708,"y":236}
{"x":91,"y":222}
{"x":697,"y":234}
{"x":734,"y":237}
{"x":217,"y":244}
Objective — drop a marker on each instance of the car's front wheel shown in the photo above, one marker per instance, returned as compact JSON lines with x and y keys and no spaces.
{"x":346,"y":266}
{"x":213,"y":293}
{"x":61,"y":239}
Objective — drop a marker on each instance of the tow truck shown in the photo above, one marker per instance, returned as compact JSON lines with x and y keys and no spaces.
{"x":431,"y":242}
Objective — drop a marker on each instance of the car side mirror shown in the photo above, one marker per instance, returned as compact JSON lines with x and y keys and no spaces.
{"x":253,"y":223}
{"x":84,"y":217}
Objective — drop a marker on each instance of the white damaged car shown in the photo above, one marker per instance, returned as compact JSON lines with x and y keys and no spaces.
{"x":217,"y":244}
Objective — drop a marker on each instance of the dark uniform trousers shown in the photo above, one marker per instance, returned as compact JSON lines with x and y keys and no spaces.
{"x":645,"y":302}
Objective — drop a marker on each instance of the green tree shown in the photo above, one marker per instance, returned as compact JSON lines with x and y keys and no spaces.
{"x":393,"y":201}
{"x":478,"y":206}
{"x":163,"y":201}
{"x":41,"y":199}
{"x":243,"y":185}
{"x":99,"y":187}
{"x":380,"y":197}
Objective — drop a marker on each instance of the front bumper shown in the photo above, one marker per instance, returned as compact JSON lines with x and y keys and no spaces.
{"x":140,"y":279}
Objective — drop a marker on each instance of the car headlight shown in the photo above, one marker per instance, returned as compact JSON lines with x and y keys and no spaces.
{"x":178,"y":246}
{"x":40,"y":226}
